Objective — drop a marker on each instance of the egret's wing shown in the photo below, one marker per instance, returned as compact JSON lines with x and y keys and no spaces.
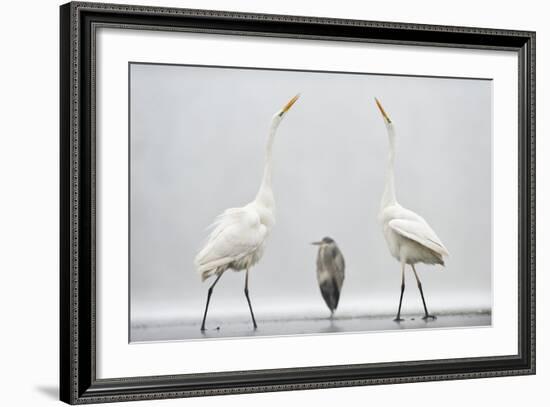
{"x":419,"y":231}
{"x":237,"y":233}
{"x":225,"y":219}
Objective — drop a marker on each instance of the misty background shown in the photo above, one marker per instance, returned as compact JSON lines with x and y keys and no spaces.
{"x":197,"y":144}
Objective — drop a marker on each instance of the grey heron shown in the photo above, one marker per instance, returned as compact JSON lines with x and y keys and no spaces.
{"x":330,"y":272}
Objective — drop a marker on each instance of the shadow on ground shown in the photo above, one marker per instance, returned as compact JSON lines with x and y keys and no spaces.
{"x":51,"y":392}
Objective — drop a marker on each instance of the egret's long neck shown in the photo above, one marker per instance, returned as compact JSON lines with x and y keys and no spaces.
{"x":265,"y":193}
{"x":388,"y":197}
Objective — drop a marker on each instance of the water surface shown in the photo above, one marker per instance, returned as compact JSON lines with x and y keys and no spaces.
{"x":219,"y":328}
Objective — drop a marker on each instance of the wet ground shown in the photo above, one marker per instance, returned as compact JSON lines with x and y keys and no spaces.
{"x":175,"y":330}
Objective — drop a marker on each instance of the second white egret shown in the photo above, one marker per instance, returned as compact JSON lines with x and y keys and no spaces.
{"x":409,"y":237}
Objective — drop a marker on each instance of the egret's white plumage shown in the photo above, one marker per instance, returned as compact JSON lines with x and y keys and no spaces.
{"x":235,"y":242}
{"x":409,"y":237}
{"x":238,"y":236}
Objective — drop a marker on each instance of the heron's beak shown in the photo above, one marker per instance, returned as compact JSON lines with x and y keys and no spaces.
{"x":289,"y":104}
{"x":384,"y":114}
{"x":317,"y":243}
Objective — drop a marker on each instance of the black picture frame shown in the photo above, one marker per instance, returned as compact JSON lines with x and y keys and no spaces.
{"x":78,"y":382}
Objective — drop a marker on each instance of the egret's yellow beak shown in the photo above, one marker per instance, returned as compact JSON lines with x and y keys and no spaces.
{"x":384,"y":114}
{"x":290,"y":103}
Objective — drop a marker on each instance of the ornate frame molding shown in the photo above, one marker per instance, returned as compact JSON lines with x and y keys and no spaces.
{"x":79,"y":21}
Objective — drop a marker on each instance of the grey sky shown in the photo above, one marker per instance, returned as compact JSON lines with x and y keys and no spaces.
{"x":197,"y":148}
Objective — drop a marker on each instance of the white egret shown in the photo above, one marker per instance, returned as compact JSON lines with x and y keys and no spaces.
{"x":330,"y":272}
{"x":239,"y":235}
{"x":409,"y":237}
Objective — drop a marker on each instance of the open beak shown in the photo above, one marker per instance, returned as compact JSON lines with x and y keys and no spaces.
{"x":289,"y":104}
{"x":384,"y":114}
{"x":317,"y":243}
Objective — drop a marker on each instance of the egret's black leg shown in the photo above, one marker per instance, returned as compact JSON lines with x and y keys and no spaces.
{"x":398,"y":317}
{"x":426,"y":314}
{"x":210,"y":290}
{"x":248,"y":299}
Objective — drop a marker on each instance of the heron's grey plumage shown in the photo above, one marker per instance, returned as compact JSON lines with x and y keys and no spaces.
{"x":330,"y":272}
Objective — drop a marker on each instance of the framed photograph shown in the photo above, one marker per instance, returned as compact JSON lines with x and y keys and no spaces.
{"x":255,"y":203}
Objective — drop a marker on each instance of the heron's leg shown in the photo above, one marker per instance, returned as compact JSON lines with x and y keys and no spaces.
{"x":426,"y":314}
{"x":248,"y":299}
{"x":210,"y":290}
{"x":398,"y":317}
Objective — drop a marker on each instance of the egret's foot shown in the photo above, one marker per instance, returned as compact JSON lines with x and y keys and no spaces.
{"x":203,"y":329}
{"x":398,"y":319}
{"x":428,"y":316}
